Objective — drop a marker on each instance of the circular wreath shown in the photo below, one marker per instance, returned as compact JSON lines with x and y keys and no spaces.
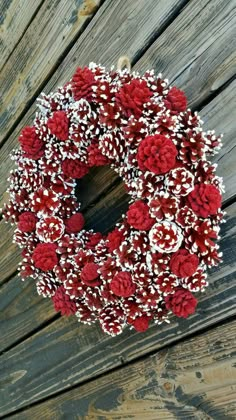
{"x":154,"y":260}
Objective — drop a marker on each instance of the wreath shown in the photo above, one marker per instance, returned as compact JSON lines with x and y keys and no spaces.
{"x":155,"y":259}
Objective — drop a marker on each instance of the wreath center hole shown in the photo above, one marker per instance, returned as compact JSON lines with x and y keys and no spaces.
{"x":103,"y":198}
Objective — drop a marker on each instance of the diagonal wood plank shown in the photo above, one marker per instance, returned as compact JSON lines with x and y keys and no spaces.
{"x":16,"y":16}
{"x":177,"y":56}
{"x":202,"y":39}
{"x":220,"y":114}
{"x":195,"y":379}
{"x":66,"y":353}
{"x":21,"y":310}
{"x":10,"y":253}
{"x":56,"y":26}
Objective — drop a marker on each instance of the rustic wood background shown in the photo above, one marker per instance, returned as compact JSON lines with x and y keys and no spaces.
{"x":53,"y":367}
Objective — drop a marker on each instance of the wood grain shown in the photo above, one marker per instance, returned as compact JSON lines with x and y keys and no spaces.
{"x":10,"y":253}
{"x":66,"y":353}
{"x":21,"y":310}
{"x":197,"y":49}
{"x":195,"y":379}
{"x":57,"y":25}
{"x":183,"y":57}
{"x":16,"y":15}
{"x":217,"y":115}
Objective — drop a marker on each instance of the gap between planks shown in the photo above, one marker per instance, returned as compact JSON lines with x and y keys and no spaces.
{"x":221,"y":329}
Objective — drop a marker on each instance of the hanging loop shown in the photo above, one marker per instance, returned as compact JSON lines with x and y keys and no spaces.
{"x":124,"y":62}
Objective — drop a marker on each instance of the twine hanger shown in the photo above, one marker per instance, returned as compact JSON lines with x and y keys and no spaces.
{"x":124,"y":62}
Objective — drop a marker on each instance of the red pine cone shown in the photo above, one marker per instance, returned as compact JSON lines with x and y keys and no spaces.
{"x":46,"y":285}
{"x":50,"y":229}
{"x":44,"y":201}
{"x":182,"y":303}
{"x":84,"y":314}
{"x":31,"y":144}
{"x":89,"y":275}
{"x":185,"y":217}
{"x":108,"y":269}
{"x":163,"y":206}
{"x":138,"y":216}
{"x":192,"y":147}
{"x":114,"y":239}
{"x":75,"y":223}
{"x":156,"y":154}
{"x":74,"y":168}
{"x":45,"y":257}
{"x":82,"y":83}
{"x":58,"y":125}
{"x":176,"y":100}
{"x":141,"y":323}
{"x":183,"y":264}
{"x":205,"y":200}
{"x":122,"y":284}
{"x":132,"y":96}
{"x":63,"y":303}
{"x":109,"y":114}
{"x":93,"y":240}
{"x":27,"y":222}
{"x":166,"y":282}
{"x":95,"y":156}
{"x":112,"y":319}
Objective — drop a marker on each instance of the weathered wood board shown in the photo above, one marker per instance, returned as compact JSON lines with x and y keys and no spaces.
{"x":90,"y":352}
{"x":21,"y":311}
{"x":15,"y":17}
{"x":195,"y":379}
{"x":197,"y":49}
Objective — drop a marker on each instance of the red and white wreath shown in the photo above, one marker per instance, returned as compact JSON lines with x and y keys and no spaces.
{"x":155,"y":260}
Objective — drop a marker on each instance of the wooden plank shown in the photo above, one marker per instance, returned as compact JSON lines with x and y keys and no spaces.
{"x":56,"y":26}
{"x":220,"y":114}
{"x":66,"y":353}
{"x":195,"y":379}
{"x":197,"y":49}
{"x":21,"y":311}
{"x":16,"y":15}
{"x":183,"y":57}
